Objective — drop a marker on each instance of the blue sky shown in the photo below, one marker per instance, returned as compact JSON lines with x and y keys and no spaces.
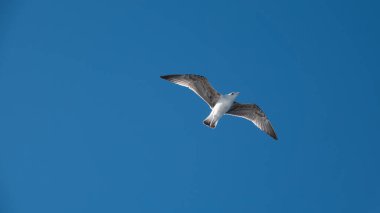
{"x":87,"y":125}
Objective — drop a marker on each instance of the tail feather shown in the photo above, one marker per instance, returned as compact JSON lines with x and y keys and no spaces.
{"x":209,"y":122}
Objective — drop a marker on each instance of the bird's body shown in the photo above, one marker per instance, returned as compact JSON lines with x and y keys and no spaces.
{"x":222,"y":104}
{"x":221,"y":107}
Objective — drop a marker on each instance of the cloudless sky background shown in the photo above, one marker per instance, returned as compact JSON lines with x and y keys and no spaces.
{"x":87,"y":125}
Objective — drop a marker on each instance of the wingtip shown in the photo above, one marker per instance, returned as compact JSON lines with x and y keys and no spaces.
{"x":168,"y":77}
{"x":274,"y":137}
{"x":177,"y":75}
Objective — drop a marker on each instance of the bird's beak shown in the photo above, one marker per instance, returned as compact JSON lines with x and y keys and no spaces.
{"x":237,"y":93}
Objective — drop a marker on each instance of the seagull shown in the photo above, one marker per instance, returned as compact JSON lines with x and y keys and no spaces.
{"x":222,"y":104}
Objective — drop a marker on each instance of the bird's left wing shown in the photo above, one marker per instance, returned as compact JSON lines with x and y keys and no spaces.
{"x":253,"y":113}
{"x":198,"y":84}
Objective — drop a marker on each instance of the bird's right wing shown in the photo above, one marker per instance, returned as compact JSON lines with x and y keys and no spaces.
{"x":198,"y":84}
{"x":253,"y":113}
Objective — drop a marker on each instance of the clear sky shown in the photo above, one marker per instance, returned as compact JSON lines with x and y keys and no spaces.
{"x":87,"y":125}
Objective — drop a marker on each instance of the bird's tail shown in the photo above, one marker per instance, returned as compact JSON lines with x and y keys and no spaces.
{"x":210,"y":122}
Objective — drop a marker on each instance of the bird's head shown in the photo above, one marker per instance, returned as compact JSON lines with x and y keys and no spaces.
{"x":233,"y":94}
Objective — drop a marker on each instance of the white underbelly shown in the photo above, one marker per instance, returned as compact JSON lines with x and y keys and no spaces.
{"x":221,"y":108}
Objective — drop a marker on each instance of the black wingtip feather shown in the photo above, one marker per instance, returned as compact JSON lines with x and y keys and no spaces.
{"x":274,"y":136}
{"x":166,"y":77}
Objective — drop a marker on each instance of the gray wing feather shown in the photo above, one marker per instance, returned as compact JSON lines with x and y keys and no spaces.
{"x":198,"y":84}
{"x":253,"y":113}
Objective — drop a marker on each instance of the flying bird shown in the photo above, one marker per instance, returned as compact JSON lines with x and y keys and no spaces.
{"x":222,"y":104}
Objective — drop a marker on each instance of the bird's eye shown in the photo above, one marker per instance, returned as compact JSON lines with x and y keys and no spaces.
{"x":232,"y":93}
